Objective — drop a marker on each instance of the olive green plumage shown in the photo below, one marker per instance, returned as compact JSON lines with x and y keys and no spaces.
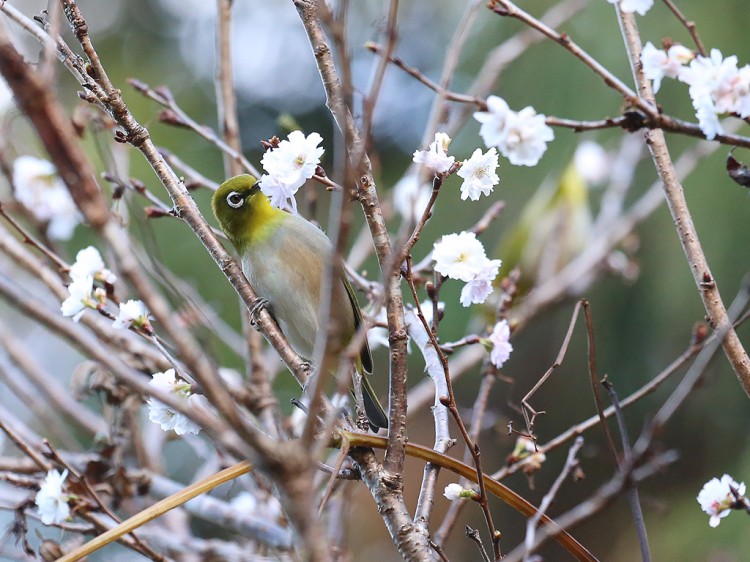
{"x":283,"y":257}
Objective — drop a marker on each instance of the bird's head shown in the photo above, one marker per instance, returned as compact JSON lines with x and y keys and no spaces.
{"x":233,"y":204}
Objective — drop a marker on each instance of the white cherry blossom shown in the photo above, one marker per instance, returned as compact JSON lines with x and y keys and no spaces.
{"x":527,"y":137}
{"x":289,"y":165}
{"x":436,"y":157}
{"x":50,"y":500}
{"x":132,"y":313}
{"x":80,"y":297}
{"x":166,"y":417}
{"x":459,"y":256}
{"x":716,"y":497}
{"x":479,"y":174}
{"x":89,"y":262}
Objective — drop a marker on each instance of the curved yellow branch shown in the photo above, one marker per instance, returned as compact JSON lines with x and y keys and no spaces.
{"x":159,"y":508}
{"x":493,"y":486}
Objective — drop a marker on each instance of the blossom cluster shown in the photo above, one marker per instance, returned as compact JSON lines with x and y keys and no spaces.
{"x":163,"y":415}
{"x":717,"y":86}
{"x":462,"y":256}
{"x":520,"y":136}
{"x":89,"y":268}
{"x":38,"y":188}
{"x":288,"y":166}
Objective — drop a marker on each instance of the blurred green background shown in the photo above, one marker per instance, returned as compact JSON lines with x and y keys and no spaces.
{"x":641,"y":326}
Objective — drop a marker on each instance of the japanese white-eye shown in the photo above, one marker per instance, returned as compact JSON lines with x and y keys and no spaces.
{"x":284,"y":257}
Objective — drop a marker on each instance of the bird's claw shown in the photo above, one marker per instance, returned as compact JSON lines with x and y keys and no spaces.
{"x":255,"y":310}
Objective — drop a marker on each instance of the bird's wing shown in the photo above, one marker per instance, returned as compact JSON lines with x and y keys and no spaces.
{"x":365,"y":356}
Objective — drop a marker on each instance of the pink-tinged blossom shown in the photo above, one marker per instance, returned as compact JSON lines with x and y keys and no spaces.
{"x":658,"y":64}
{"x":459,"y":256}
{"x":716,"y":498}
{"x":288,"y":166}
{"x":436,"y":157}
{"x":501,"y":347}
{"x":480,"y":287}
{"x":479,"y":173}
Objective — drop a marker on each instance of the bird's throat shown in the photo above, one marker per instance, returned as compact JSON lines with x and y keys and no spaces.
{"x":257,"y":223}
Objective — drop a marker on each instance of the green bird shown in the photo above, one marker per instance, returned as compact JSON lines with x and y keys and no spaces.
{"x":284,"y":258}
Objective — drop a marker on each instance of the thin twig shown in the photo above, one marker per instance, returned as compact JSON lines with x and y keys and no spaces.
{"x":635,"y":504}
{"x":689,"y":25}
{"x":531,"y":525}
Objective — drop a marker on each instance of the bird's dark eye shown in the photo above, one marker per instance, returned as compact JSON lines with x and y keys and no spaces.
{"x":235,"y":200}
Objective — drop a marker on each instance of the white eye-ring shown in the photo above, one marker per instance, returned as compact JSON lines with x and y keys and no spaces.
{"x":235,"y":200}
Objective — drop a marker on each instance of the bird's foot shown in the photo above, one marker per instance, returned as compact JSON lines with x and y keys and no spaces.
{"x":255,"y":309}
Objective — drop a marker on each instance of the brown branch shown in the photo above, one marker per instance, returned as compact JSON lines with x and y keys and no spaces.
{"x":706,"y":284}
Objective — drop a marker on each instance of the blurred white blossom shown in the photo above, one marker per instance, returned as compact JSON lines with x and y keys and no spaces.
{"x":630,"y":6}
{"x":716,"y":498}
{"x":479,"y":174}
{"x":592,"y":162}
{"x":132,"y":313}
{"x":161,"y":414}
{"x":501,"y":346}
{"x":436,"y":157}
{"x":377,"y":336}
{"x":89,"y":263}
{"x":80,"y":297}
{"x":658,"y":64}
{"x":267,"y":507}
{"x":288,"y":166}
{"x":410,"y":197}
{"x":50,"y":500}
{"x":521,"y":137}
{"x":42,"y":192}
